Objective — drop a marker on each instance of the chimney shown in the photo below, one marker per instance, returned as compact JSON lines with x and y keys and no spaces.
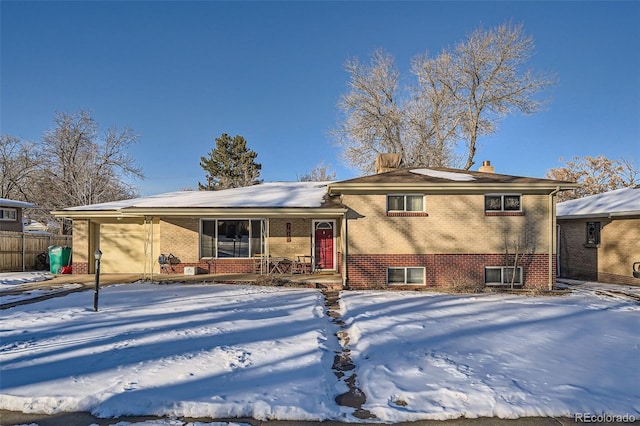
{"x":487,"y":167}
{"x":387,"y":162}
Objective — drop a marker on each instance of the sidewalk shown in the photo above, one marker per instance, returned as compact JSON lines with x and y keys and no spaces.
{"x":11,"y":418}
{"x":605,"y":289}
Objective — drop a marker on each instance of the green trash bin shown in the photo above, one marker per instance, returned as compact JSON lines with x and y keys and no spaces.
{"x":58,"y":257}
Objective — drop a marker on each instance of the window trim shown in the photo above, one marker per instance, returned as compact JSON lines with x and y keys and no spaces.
{"x":503,"y":211}
{"x":4,"y":217}
{"x":405,"y":269}
{"x":405,"y":203}
{"x":503,"y":270}
{"x":405,"y":212}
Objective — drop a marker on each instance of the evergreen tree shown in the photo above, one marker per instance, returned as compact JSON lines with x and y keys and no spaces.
{"x":230,"y":165}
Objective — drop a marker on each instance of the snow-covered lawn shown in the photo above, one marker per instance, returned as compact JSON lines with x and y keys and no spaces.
{"x":12,"y":280}
{"x":446,"y":356}
{"x":234,"y":351}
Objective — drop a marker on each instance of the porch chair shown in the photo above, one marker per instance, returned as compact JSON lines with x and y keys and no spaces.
{"x":301,"y":264}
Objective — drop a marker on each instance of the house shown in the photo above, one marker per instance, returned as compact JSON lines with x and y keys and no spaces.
{"x":599,"y":236}
{"x":398,"y":228}
{"x":11,"y":214}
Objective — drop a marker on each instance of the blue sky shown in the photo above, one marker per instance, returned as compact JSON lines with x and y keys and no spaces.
{"x":182,"y":73}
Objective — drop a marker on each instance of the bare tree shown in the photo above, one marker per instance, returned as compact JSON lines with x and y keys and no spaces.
{"x":461,"y":94}
{"x":518,"y":248}
{"x":433,"y":113}
{"x":491,"y":82}
{"x":20,"y":163}
{"x":595,"y":175}
{"x":319,"y":173}
{"x":74,"y":164}
{"x":84,"y":167}
{"x":373,"y":113}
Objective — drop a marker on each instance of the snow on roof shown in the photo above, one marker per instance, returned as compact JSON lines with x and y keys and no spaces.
{"x":271,"y":194}
{"x":625,"y":201}
{"x":461,"y":177}
{"x":5,"y":202}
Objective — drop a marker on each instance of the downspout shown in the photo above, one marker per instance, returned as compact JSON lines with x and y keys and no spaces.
{"x":345,"y":252}
{"x":558,"y":248}
{"x":552,"y":227}
{"x":152,"y":258}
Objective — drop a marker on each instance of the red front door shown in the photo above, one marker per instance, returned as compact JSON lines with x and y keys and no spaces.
{"x":324,"y":245}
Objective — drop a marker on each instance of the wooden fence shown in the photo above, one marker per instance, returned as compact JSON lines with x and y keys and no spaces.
{"x":19,"y":250}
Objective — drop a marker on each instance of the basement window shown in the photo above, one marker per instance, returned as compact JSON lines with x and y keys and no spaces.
{"x":413,"y":275}
{"x":502,"y":275}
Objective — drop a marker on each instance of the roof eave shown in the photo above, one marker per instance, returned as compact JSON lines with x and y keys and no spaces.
{"x":248,"y":212}
{"x":606,"y":215}
{"x":449,"y":187}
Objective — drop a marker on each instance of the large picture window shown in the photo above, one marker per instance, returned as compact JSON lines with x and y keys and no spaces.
{"x":405,"y":203}
{"x":225,"y":238}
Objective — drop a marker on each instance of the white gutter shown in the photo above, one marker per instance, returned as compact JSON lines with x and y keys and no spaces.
{"x":552,"y":223}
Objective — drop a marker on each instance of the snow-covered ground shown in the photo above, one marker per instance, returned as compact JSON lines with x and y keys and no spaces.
{"x":246,"y":351}
{"x":12,"y":280}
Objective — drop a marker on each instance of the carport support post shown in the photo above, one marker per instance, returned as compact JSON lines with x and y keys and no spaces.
{"x":98,"y":255}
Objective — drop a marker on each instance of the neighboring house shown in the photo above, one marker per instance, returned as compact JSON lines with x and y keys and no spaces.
{"x":400,"y":228}
{"x":11,"y":214}
{"x":599,"y":236}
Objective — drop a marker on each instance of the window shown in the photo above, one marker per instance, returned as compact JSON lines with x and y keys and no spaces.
{"x":408,"y":275}
{"x":501,"y":275}
{"x":8,"y":214}
{"x":405,"y":203}
{"x":502,"y":203}
{"x":593,"y":233}
{"x":230,"y":238}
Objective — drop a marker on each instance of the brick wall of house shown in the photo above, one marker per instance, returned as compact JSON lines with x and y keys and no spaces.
{"x":180,"y":237}
{"x":611,"y":261}
{"x":299,"y":242}
{"x":620,"y":247}
{"x":369,"y":271}
{"x":454,"y":224}
{"x":80,"y":247}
